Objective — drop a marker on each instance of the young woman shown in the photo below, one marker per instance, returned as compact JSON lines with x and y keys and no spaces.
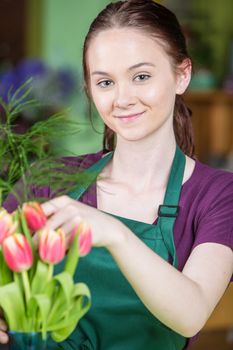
{"x":161,"y":221}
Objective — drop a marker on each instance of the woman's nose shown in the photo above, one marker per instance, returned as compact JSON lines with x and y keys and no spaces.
{"x":124,"y":96}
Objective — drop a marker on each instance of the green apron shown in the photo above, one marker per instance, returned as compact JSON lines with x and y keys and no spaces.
{"x":118,"y":320}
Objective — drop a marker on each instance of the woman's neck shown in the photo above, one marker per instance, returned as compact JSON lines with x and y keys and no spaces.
{"x":145,"y":163}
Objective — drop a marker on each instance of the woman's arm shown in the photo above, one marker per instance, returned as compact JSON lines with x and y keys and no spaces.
{"x":181,"y":300}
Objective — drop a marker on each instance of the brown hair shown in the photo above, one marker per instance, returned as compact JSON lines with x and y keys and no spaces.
{"x":160,"y":23}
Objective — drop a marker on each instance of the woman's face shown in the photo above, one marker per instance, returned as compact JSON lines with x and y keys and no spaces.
{"x":131,"y":82}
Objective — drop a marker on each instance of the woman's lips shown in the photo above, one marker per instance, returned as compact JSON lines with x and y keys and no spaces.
{"x":129,"y":117}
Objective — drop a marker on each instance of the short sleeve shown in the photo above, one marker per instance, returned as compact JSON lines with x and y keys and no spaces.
{"x":215,"y":221}
{"x":215,"y":213}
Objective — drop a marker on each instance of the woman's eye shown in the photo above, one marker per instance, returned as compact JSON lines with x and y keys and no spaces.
{"x":105,"y":83}
{"x":142,"y":77}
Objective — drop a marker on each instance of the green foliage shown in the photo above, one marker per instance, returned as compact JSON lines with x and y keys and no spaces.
{"x":27,"y":156}
{"x":36,"y":300}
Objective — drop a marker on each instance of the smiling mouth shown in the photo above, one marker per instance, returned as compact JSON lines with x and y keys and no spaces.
{"x":129,"y":117}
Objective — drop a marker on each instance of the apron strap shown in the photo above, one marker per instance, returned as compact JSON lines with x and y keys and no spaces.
{"x":94,"y":169}
{"x":168,"y":211}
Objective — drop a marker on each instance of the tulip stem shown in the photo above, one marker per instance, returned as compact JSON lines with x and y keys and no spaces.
{"x":50,"y":272}
{"x":72,"y":257}
{"x":26,"y":230}
{"x":26,"y":285}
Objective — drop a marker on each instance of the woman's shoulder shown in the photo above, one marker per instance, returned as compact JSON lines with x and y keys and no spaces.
{"x":209,"y":179}
{"x":206,"y":210}
{"x":208,"y":194}
{"x":82,"y":161}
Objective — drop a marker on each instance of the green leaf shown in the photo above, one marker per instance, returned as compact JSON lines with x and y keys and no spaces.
{"x":62,"y":330}
{"x":18,"y":151}
{"x":82,"y":290}
{"x":26,"y":231}
{"x":38,"y":311}
{"x":20,"y":94}
{"x":81,"y":303}
{"x":23,"y":106}
{"x":72,"y":257}
{"x":40,"y":278}
{"x":12,"y":304}
{"x":63,"y":296}
{"x":66,"y":284}
{"x":6,"y":275}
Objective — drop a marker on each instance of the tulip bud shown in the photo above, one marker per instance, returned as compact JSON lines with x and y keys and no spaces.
{"x":17,"y":252}
{"x":84,"y":238}
{"x":34,"y":215}
{"x":7,"y":226}
{"x":52,"y":245}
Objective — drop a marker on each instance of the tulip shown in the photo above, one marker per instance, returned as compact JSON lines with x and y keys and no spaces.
{"x":7,"y":226}
{"x":52,"y":245}
{"x":84,"y":238}
{"x":17,"y":252}
{"x":34,"y":215}
{"x":80,"y":241}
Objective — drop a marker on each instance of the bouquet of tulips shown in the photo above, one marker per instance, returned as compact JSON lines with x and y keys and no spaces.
{"x":32,"y":297}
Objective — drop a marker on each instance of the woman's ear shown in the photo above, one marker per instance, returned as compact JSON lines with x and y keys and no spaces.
{"x":184,"y":71}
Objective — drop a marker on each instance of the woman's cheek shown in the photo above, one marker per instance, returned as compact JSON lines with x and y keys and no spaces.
{"x":103,"y":103}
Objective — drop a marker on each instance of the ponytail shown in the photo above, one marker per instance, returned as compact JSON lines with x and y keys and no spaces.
{"x":108,"y":140}
{"x":183,"y":127}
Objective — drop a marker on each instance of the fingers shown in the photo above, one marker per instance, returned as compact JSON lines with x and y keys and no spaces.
{"x":3,"y":335}
{"x":52,"y":206}
{"x":69,"y":227}
{"x":62,"y":212}
{"x":3,"y":338}
{"x":63,"y":216}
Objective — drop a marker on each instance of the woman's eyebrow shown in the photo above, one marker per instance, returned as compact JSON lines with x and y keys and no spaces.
{"x":98,"y":72}
{"x":138,"y":65}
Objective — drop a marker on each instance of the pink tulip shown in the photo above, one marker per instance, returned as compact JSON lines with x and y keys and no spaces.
{"x":7,"y":226}
{"x":34,"y":215}
{"x":52,"y":245}
{"x":17,"y":252}
{"x":85,"y":238}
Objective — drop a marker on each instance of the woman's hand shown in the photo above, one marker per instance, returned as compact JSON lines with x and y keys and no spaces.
{"x":67,"y":213}
{"x":3,"y":335}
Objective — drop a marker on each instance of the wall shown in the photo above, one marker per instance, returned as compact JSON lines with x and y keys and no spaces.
{"x":63,"y":28}
{"x":219,"y":32}
{"x":212,"y":20}
{"x":63,"y":25}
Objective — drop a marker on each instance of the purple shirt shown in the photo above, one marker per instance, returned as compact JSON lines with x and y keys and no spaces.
{"x":206,"y":206}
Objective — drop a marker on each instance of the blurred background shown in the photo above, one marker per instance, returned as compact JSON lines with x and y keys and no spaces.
{"x":44,"y":38}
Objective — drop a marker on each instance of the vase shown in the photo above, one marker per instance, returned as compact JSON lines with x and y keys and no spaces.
{"x":26,"y":341}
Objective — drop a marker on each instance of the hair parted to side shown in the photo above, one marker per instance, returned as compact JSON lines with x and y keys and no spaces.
{"x":160,"y":23}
